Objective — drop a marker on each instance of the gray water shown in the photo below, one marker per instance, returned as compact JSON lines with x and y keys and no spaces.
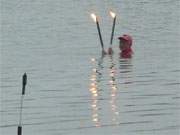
{"x":71,"y":89}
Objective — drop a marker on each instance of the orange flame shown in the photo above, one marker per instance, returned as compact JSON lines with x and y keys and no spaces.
{"x":112,"y":14}
{"x":94,"y":17}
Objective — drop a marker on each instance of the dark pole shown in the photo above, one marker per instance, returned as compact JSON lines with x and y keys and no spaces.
{"x":113,"y":27}
{"x":24,"y":82}
{"x":99,"y":32}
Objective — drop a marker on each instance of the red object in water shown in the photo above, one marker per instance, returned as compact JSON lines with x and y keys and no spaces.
{"x":126,"y":51}
{"x":128,"y":38}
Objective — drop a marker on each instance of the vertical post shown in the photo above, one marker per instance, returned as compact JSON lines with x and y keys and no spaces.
{"x":24,"y":82}
{"x":19,"y":130}
{"x":99,"y":32}
{"x":94,"y":17}
{"x":112,"y":33}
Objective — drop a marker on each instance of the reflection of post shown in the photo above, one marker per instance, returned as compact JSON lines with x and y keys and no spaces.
{"x":95,"y":77}
{"x":113,"y":85}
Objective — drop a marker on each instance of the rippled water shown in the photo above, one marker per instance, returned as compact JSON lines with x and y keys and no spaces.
{"x":71,"y":89}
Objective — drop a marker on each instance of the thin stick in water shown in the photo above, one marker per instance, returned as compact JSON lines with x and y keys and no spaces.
{"x":113,"y":28}
{"x":24,"y":82}
{"x":100,"y":36}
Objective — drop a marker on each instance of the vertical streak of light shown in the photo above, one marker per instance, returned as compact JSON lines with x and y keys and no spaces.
{"x":113,"y":86}
{"x":93,"y":88}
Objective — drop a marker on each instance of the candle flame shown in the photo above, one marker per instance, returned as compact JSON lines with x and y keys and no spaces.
{"x":93,"y":59}
{"x":94,"y":17}
{"x":112,"y":14}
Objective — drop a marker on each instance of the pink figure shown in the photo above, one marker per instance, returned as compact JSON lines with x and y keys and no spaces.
{"x":125,"y":46}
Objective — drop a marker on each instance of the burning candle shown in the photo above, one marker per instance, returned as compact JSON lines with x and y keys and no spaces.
{"x":113,"y":15}
{"x":94,"y":17}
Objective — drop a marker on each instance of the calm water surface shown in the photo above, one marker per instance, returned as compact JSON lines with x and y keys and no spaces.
{"x":71,"y":89}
